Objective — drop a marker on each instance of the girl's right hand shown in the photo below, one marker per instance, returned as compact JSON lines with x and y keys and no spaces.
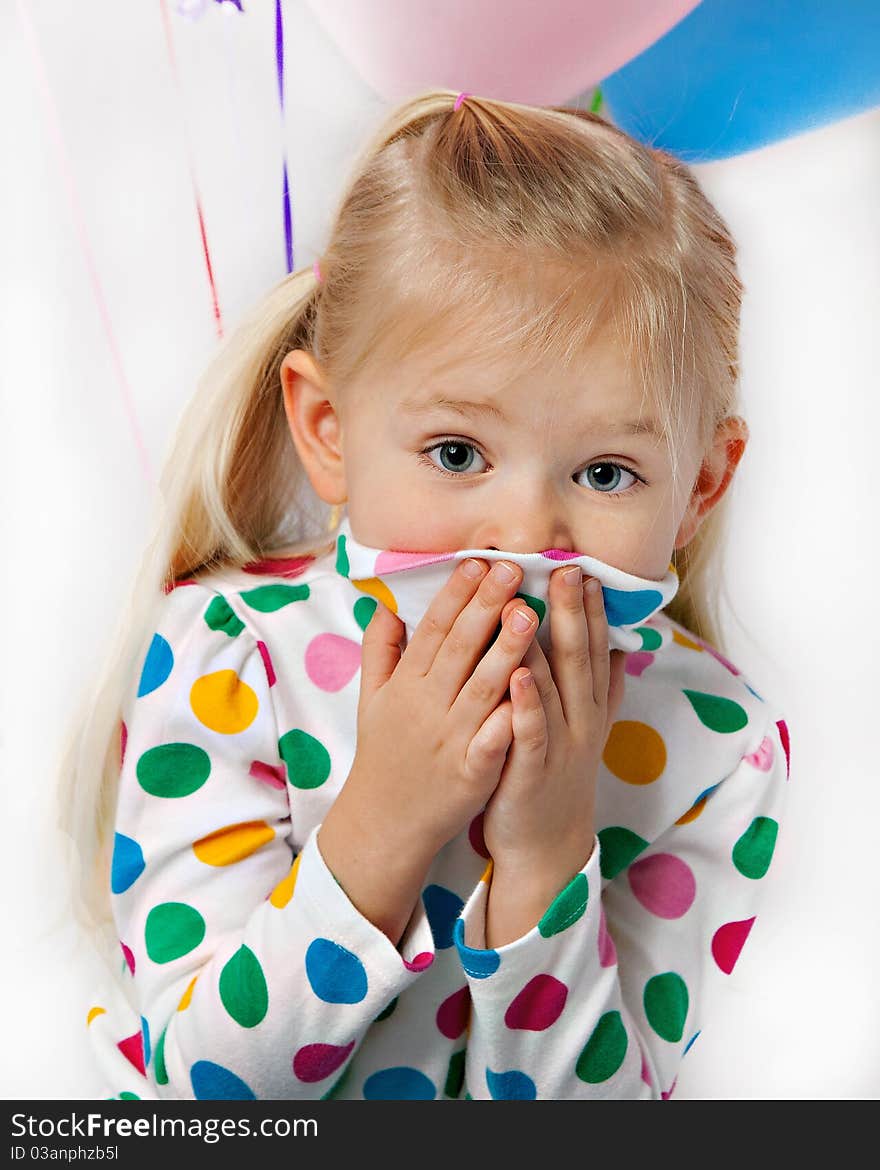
{"x":433,"y":727}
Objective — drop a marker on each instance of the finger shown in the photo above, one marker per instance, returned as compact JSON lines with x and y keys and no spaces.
{"x":600,"y":653}
{"x":488,"y":747}
{"x":380,"y":651}
{"x":617,"y":684}
{"x":530,"y":734}
{"x":536,"y":661}
{"x":570,"y":643}
{"x":440,"y":616}
{"x":489,"y":683}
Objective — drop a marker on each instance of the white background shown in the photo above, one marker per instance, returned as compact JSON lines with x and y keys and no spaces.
{"x":802,"y":1017}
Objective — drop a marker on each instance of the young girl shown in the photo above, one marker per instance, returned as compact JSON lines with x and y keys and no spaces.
{"x":460,"y":799}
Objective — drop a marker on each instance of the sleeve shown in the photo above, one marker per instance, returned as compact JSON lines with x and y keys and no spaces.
{"x":602,"y":999}
{"x":254,"y":974}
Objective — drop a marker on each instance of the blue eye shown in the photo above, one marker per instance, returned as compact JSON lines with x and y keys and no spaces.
{"x":606,"y":477}
{"x":454,"y":456}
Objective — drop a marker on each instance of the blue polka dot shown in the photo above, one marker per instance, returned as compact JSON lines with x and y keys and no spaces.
{"x":157,"y":666}
{"x":399,"y":1084}
{"x":754,"y":692}
{"x":213,"y":1082}
{"x":622,"y":609}
{"x":336,"y":975}
{"x":443,"y":908}
{"x":690,"y":1042}
{"x":127,"y":865}
{"x":145,"y":1032}
{"x":510,"y":1086}
{"x":477,"y":964}
{"x":707,"y":792}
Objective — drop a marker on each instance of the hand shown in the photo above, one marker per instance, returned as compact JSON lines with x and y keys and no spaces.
{"x":539,"y":823}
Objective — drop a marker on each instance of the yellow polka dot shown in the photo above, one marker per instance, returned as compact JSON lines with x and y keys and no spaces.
{"x":683,"y":641}
{"x":635,"y":752}
{"x":222,"y":702}
{"x":232,"y":843}
{"x":378,"y":589}
{"x":487,"y":872}
{"x":283,"y":892}
{"x":186,"y":998}
{"x":693,"y":812}
{"x":93,"y":1012}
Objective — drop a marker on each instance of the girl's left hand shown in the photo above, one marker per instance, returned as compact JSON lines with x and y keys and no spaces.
{"x":540,"y":819}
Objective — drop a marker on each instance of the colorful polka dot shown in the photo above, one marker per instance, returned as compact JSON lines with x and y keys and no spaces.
{"x":335,"y":974}
{"x":604,"y":1052}
{"x":454,"y":1013}
{"x":342,"y":566}
{"x":283,"y":892}
{"x":625,"y":609}
{"x":391,"y":561}
{"x":243,"y":990}
{"x":534,"y":603}
{"x":443,"y":908}
{"x":477,"y":964}
{"x":634,"y":752}
{"x":307,"y":760}
{"x":399,"y":1084}
{"x":455,"y":1075}
{"x":271,"y":774}
{"x":566,"y":908}
{"x":132,"y":1048}
{"x":94,"y":1013}
{"x":617,"y":848}
{"x":186,"y":998}
{"x":666,"y":1005}
{"x":332,"y":661}
{"x":128,"y":956}
{"x":782,"y":728}
{"x":690,"y":1044}
{"x":727,"y":942}
{"x":753,"y":852}
{"x":157,"y":666}
{"x":161,"y":1070}
{"x":717,"y":713}
{"x":271,"y":678}
{"x":172,"y":929}
{"x":145,"y":1033}
{"x":688,"y":643}
{"x":269,"y":598}
{"x":607,"y":949}
{"x":651,"y":639}
{"x":693,"y":812}
{"x":314,"y":1062}
{"x":173,"y":770}
{"x":123,"y":741}
{"x":233,"y":843}
{"x":664,"y":884}
{"x":213,"y":1082}
{"x":538,"y":1006}
{"x":127,"y":865}
{"x":636,"y":663}
{"x":387,"y":1011}
{"x":221,"y":617}
{"x":510,"y":1086}
{"x":364,"y":608}
{"x":222,"y":702}
{"x":762,"y":757}
{"x":278,"y":566}
{"x":420,"y":962}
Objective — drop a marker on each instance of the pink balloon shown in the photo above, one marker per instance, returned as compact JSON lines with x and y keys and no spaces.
{"x":513,"y":50}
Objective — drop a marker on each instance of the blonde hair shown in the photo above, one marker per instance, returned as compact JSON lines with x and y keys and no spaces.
{"x":540,"y":228}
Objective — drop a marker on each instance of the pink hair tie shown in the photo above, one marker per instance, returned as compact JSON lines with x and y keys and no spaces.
{"x":460,"y":99}
{"x":316,"y":268}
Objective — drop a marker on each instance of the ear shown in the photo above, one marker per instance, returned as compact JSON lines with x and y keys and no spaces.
{"x":715,"y":475}
{"x":314,"y":425}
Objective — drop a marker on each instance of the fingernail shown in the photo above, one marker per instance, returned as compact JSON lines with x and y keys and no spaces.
{"x":520,"y":622}
{"x":472,"y":569}
{"x":504,"y":573}
{"x":572,"y":576}
{"x":592,"y":586}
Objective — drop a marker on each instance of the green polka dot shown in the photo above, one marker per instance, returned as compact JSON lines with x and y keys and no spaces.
{"x":128,"y":1097}
{"x":666,"y":1005}
{"x":243,"y":989}
{"x":603,"y":1053}
{"x":364,"y":608}
{"x":536,"y":603}
{"x":566,"y":907}
{"x":161,"y":1071}
{"x":269,"y":598}
{"x":221,"y":616}
{"x":172,"y":929}
{"x":342,"y":566}
{"x":754,"y":850}
{"x":617,"y":848}
{"x":454,"y":1075}
{"x":716,"y":713}
{"x":386,"y":1012}
{"x":173,"y":769}
{"x":307,"y":760}
{"x":651,"y":639}
{"x":336,"y":1088}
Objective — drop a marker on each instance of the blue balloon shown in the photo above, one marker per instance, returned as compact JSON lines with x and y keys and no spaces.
{"x":736,"y":75}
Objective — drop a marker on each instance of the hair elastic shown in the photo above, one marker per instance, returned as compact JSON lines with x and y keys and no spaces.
{"x":460,"y":100}
{"x":316,"y":268}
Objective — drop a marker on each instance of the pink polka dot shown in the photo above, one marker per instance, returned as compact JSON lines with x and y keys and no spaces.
{"x":332,"y":661}
{"x":123,"y":740}
{"x":129,"y":957}
{"x":132,"y":1048}
{"x":475,"y":836}
{"x":664,"y":884}
{"x":538,"y":1005}
{"x":454,"y":1012}
{"x":762,"y":757}
{"x":267,"y":662}
{"x":727,"y":942}
{"x":637,"y":662}
{"x":316,"y":1061}
{"x":607,"y":949}
{"x":279,"y":566}
{"x":560,"y":554}
{"x":782,"y":728}
{"x":420,"y":962}
{"x":388,"y":562}
{"x":668,"y":1093}
{"x":646,"y":1072}
{"x":270,"y":774}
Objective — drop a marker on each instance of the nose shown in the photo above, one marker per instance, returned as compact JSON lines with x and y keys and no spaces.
{"x":527,"y":531}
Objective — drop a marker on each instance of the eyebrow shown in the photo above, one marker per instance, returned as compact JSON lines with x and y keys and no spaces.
{"x":468,"y":409}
